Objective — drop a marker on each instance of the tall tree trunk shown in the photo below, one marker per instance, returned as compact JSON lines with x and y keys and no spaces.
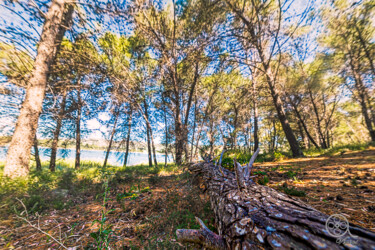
{"x":56,"y":134}
{"x":57,"y":19}
{"x":296,"y":111}
{"x":78,"y":131}
{"x":322,"y":140}
{"x":37,"y":157}
{"x":166,"y":131}
{"x":111,"y":139}
{"x":148,"y":146}
{"x":211,"y":136}
{"x":293,"y":143}
{"x":153,"y":148}
{"x":305,"y":140}
{"x":166,"y":138}
{"x":362,"y":99}
{"x":151,"y":138}
{"x":130,"y":119}
{"x":274,"y":135}
{"x":255,"y":110}
{"x":179,"y":140}
{"x":194,"y":127}
{"x":366,"y":49}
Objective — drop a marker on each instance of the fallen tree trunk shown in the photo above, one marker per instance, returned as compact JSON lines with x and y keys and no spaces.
{"x":252,"y":216}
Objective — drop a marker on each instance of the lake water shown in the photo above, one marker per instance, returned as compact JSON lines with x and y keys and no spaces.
{"x":115,"y":158}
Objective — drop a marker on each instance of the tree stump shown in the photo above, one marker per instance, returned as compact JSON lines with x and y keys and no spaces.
{"x":252,"y":216}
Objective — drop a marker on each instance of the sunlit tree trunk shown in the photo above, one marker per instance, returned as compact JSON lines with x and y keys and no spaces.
{"x":78,"y":131}
{"x":56,"y":133}
{"x":57,"y":19}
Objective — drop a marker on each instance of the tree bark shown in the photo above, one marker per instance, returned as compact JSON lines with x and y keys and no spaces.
{"x":78,"y":131}
{"x":57,"y":20}
{"x":111,"y":139}
{"x":252,"y":216}
{"x":56,"y":134}
{"x":128,"y":137}
{"x":361,"y":90}
{"x":150,"y":139}
{"x":322,"y":140}
{"x":37,"y":157}
{"x":295,"y":108}
{"x":194,"y":127}
{"x":255,"y":107}
{"x":293,"y":143}
{"x":305,"y":140}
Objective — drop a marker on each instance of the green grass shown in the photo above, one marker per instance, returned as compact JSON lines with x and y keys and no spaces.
{"x":43,"y":190}
{"x":292,"y":191}
{"x":339,"y":149}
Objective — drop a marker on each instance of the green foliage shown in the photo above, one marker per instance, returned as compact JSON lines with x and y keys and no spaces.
{"x":339,"y":149}
{"x":278,"y":156}
{"x":264,"y":180}
{"x":259,"y":173}
{"x":291,"y":174}
{"x":292,"y":191}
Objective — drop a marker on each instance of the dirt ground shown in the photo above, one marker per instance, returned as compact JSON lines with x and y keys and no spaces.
{"x":340,"y":184}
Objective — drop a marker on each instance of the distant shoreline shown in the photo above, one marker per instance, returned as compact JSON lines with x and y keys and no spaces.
{"x":89,"y":149}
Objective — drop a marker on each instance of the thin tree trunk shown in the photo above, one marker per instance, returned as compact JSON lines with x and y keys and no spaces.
{"x":166,"y":138}
{"x":37,"y":157}
{"x":305,"y":140}
{"x":128,"y":136}
{"x":148,"y":147}
{"x":56,"y":134}
{"x":293,"y":143}
{"x":255,"y":110}
{"x":153,"y":148}
{"x":194,"y":127}
{"x":295,"y":108}
{"x":57,"y":19}
{"x":322,"y":140}
{"x":111,"y":139}
{"x":166,"y":131}
{"x":365,"y":48}
{"x":362,"y":100}
{"x":151,"y":138}
{"x":78,"y":131}
{"x":179,"y":134}
{"x":274,"y":135}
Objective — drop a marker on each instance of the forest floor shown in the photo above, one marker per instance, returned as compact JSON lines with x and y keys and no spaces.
{"x":145,"y":208}
{"x":343,"y":183}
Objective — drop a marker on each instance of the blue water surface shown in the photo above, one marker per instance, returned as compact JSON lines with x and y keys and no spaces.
{"x":115,"y":158}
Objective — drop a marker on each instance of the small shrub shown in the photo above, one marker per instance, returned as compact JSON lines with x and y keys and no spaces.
{"x":292,"y":191}
{"x":291,"y":174}
{"x":263,"y":181}
{"x":259,"y":173}
{"x":278,"y":156}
